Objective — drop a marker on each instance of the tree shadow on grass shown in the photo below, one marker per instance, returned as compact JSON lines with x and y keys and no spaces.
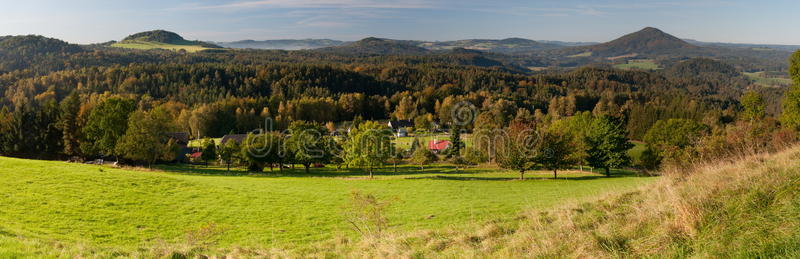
{"x":539,"y":175}
{"x":299,"y":171}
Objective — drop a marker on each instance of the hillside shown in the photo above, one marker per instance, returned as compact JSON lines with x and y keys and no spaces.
{"x":21,"y":52}
{"x":76,"y":210}
{"x":34,"y":44}
{"x":287,"y":44}
{"x":376,"y":46}
{"x":744,"y":208}
{"x":700,"y":67}
{"x":160,"y":39}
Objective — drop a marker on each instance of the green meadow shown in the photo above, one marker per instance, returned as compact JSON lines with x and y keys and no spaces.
{"x":109,"y":210}
{"x":760,"y":79}
{"x":645,"y":64}
{"x":145,"y":45}
{"x":581,"y":55}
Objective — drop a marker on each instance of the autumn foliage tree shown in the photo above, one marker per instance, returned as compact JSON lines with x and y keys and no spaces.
{"x":516,"y":149}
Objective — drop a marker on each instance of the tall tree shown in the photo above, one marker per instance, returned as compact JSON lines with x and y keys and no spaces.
{"x":790,"y":117}
{"x":229,"y":152}
{"x":456,"y":143}
{"x":309,"y":142}
{"x":753,"y":106}
{"x":69,"y":124}
{"x":516,"y":150}
{"x":106,"y":124}
{"x":145,"y":138}
{"x":370,"y":146}
{"x":209,"y":151}
{"x":258,"y":150}
{"x":554,"y":151}
{"x":608,"y":144}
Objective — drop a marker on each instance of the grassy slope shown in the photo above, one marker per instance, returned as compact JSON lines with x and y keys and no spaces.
{"x":760,"y":79}
{"x":740,"y":209}
{"x":646,"y":64}
{"x":157,"y":45}
{"x":581,"y":55}
{"x":50,"y":206}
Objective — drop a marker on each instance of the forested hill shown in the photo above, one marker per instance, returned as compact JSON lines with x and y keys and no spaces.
{"x":157,"y":36}
{"x":23,"y":52}
{"x":168,"y":37}
{"x":376,"y":46}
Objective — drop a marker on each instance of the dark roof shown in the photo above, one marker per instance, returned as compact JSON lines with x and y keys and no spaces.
{"x":401,"y":124}
{"x":180,"y":137}
{"x":238,"y":138}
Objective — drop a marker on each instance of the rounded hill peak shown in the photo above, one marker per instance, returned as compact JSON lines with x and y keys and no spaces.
{"x":156,"y":36}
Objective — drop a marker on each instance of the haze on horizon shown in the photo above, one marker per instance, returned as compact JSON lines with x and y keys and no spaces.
{"x":93,"y":21}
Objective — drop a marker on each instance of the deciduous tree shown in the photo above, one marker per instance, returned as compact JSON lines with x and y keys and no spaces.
{"x":608,"y":144}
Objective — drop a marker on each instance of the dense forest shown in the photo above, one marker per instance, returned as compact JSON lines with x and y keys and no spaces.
{"x":62,"y":100}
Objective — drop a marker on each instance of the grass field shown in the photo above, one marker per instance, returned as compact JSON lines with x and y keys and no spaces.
{"x":155,"y":45}
{"x":760,"y":79}
{"x":748,"y":207}
{"x":101,"y":209}
{"x":581,"y":55}
{"x":646,"y":64}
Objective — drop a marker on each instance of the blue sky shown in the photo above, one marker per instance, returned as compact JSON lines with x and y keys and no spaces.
{"x":89,"y":21}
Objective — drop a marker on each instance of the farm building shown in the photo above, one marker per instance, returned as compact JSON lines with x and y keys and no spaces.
{"x":438,"y":145}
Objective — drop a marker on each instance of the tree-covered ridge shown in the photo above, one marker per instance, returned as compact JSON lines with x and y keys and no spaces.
{"x":36,"y":44}
{"x":21,"y":52}
{"x":702,"y":66}
{"x":376,"y":46}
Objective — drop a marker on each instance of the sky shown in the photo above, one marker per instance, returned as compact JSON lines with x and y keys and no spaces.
{"x":93,"y":21}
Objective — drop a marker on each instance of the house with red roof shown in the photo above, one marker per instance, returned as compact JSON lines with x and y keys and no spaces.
{"x":438,"y":145}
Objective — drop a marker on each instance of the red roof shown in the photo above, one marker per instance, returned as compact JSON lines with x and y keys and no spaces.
{"x":196,"y":154}
{"x":438,"y":145}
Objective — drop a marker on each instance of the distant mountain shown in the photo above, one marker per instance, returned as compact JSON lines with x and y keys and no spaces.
{"x":287,"y":44}
{"x":761,"y":47}
{"x":510,"y":45}
{"x":376,"y":46}
{"x":647,"y":41}
{"x":161,"y":39}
